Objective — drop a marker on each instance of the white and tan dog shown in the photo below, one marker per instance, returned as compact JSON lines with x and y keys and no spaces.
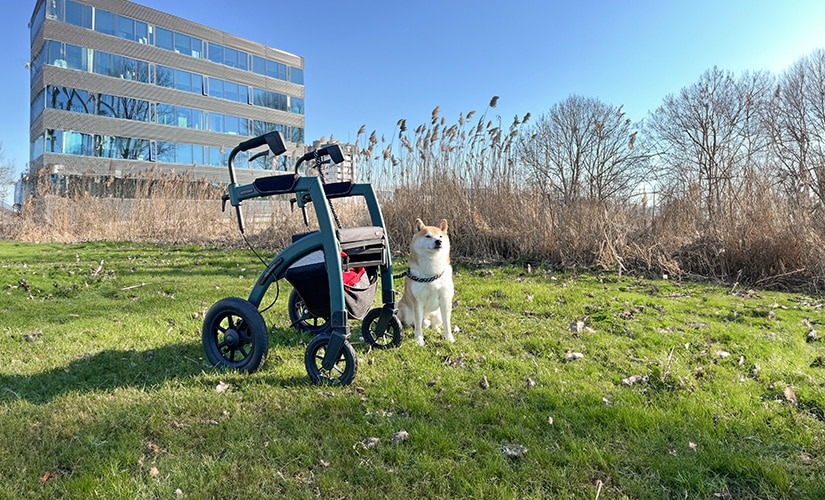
{"x":428,"y":283}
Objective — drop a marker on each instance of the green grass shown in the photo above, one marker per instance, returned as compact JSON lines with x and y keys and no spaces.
{"x":105,"y":392}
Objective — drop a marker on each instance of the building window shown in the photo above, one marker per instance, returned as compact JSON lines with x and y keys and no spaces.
{"x":78,"y":14}
{"x":164,"y":39}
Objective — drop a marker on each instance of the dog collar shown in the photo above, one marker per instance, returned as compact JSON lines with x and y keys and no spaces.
{"x":421,"y":280}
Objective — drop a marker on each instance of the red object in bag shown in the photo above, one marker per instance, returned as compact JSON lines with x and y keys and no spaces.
{"x":353,"y":276}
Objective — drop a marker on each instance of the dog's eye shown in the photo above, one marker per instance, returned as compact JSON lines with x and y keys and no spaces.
{"x":429,"y":236}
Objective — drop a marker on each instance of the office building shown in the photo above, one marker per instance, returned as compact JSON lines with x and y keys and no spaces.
{"x":118,"y":88}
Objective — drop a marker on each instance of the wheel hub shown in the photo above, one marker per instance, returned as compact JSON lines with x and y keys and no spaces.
{"x":232,"y":338}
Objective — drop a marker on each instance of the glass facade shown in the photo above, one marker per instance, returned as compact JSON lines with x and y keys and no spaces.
{"x":128,"y":108}
{"x":65,"y":55}
{"x":76,"y":100}
{"x":77,"y":14}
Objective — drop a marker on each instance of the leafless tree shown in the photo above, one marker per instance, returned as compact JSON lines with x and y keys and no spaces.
{"x":712,"y":136}
{"x":814,"y":87}
{"x":786,"y":120}
{"x":6,"y":174}
{"x":584,"y":148}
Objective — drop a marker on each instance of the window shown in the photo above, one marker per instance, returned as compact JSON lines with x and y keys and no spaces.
{"x":76,"y":143}
{"x":235,"y":58}
{"x":276,"y":70}
{"x":104,"y":22}
{"x":77,"y":58}
{"x":141,"y":32}
{"x":165,"y":152}
{"x":259,"y":65}
{"x":37,"y":105}
{"x":36,"y":150}
{"x":165,"y":77}
{"x":183,"y":80}
{"x":183,"y":153}
{"x":183,"y":43}
{"x":55,"y":10}
{"x":125,"y":27}
{"x":215,"y":53}
{"x":165,"y":114}
{"x":54,"y":141}
{"x":231,"y":91}
{"x":216,"y":122}
{"x":78,"y":14}
{"x":215,"y":87}
{"x":296,"y":75}
{"x":297,"y":105}
{"x":37,"y":21}
{"x":164,"y":39}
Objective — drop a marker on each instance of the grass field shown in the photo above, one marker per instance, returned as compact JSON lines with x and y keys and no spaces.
{"x":560,"y":385}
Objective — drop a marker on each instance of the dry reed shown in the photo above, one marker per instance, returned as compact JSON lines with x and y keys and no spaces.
{"x":467,"y":172}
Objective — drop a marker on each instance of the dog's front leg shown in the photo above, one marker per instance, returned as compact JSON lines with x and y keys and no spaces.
{"x":418,"y":322}
{"x":446,"y":305}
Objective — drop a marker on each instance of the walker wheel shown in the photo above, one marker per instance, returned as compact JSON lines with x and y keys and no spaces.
{"x":390,"y":337}
{"x":301,"y":318}
{"x":235,"y":335}
{"x":342,"y":372}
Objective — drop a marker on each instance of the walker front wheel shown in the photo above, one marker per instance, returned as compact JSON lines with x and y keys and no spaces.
{"x":342,"y":372}
{"x":390,"y":337}
{"x":235,"y":335}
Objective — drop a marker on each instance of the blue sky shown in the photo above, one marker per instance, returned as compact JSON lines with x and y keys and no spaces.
{"x":373,"y":62}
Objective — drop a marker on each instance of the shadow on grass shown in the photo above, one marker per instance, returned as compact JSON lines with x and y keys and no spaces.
{"x":117,"y":369}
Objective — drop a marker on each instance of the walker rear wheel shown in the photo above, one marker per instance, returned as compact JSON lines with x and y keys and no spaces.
{"x":301,"y":318}
{"x":235,"y":335}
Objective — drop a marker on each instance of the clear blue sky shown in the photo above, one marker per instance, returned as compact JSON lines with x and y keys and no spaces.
{"x":375,"y":61}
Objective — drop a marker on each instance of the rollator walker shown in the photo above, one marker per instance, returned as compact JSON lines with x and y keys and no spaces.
{"x":335,"y":272}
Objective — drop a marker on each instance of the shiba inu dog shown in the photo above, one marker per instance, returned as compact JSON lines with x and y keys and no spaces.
{"x":428,"y":283}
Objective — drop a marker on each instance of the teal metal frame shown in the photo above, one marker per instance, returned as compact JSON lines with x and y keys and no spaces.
{"x":311,"y":190}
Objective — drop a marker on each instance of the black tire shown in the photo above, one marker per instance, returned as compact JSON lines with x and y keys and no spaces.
{"x":302,"y":319}
{"x":342,"y":372}
{"x":391,"y":337}
{"x":235,"y":335}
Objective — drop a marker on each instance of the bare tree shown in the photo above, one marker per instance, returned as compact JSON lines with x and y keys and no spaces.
{"x":814,"y":87}
{"x":6,"y":174}
{"x":712,"y":135}
{"x":786,"y":119}
{"x":584,"y":148}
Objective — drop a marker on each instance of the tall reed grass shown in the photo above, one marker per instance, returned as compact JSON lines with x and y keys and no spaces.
{"x":468,"y":172}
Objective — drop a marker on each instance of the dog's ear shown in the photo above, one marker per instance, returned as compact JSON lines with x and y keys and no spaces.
{"x":443,"y":225}
{"x":418,"y":224}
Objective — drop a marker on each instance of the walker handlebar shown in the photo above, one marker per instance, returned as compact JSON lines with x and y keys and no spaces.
{"x":273,"y":139}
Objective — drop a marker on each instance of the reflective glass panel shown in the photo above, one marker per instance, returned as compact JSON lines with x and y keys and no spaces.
{"x":104,"y":22}
{"x":78,"y":14}
{"x":183,"y":43}
{"x":76,"y":58}
{"x":296,"y":75}
{"x":215,"y":53}
{"x":141,"y":32}
{"x":165,"y":114}
{"x":165,"y":151}
{"x":125,"y":27}
{"x":164,"y":39}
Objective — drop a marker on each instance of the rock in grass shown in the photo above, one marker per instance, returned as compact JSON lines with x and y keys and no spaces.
{"x":400,"y":437}
{"x":513,"y":450}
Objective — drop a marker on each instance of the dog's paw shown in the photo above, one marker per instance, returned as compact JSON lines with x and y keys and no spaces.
{"x":419,"y":340}
{"x":449,"y":337}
